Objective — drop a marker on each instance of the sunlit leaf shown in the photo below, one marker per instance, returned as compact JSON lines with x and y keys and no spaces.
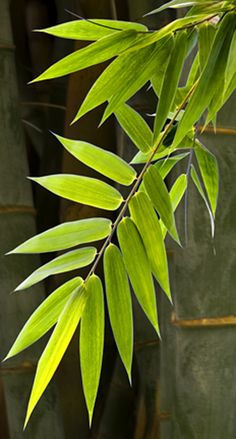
{"x":159,"y":195}
{"x":62,"y":264}
{"x":138,"y":268}
{"x":95,"y":53}
{"x":170,"y":83}
{"x":91,"y":30}
{"x":122,"y":78}
{"x":176,"y":194}
{"x":135,"y":127}
{"x":66,"y":235}
{"x":45,"y":316}
{"x":207,"y":32}
{"x":176,"y":4}
{"x":210,"y":174}
{"x":198,"y":185}
{"x":119,"y":304}
{"x":83,"y":190}
{"x":149,"y":228}
{"x":211,"y":74}
{"x":92,"y":341}
{"x":165,"y":166}
{"x":231,"y":63}
{"x":57,"y":345}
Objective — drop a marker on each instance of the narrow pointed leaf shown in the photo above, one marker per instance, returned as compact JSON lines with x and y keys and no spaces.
{"x":92,"y":342}
{"x":176,"y":194}
{"x":66,"y":235}
{"x":170,"y":83}
{"x":83,"y":190}
{"x":62,"y":264}
{"x":95,"y":53}
{"x":91,"y":30}
{"x":231,"y":63}
{"x":210,"y":174}
{"x":57,"y":345}
{"x":135,"y":127}
{"x":105,"y":162}
{"x":149,"y":228}
{"x":138,"y":268}
{"x":119,"y":304}
{"x":162,"y":62}
{"x":159,"y":195}
{"x":45,"y":316}
{"x":198,"y":185}
{"x":165,"y":166}
{"x":211,"y":75}
{"x":206,"y":35}
{"x":175,"y":4}
{"x":122,"y":78}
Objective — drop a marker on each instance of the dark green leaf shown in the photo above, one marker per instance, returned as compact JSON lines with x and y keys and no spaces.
{"x":210,"y":174}
{"x":197,"y":183}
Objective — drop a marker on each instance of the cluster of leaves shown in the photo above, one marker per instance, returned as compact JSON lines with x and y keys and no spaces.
{"x":138,"y":56}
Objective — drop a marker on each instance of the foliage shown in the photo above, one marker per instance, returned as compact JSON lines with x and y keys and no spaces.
{"x":139,"y":56}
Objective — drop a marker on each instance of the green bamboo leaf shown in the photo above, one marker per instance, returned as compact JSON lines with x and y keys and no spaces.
{"x":165,"y":166}
{"x":91,"y":30}
{"x":122,"y":78}
{"x":66,"y":235}
{"x":135,"y":127}
{"x":206,"y":35}
{"x":105,"y":162}
{"x":170,"y":83}
{"x":176,"y":4}
{"x":231,"y":63}
{"x":210,"y":77}
{"x":176,"y":194}
{"x":57,"y":345}
{"x":159,"y":195}
{"x":138,"y":268}
{"x":198,"y":185}
{"x":119,"y":304}
{"x":162,"y":62}
{"x":210,"y":174}
{"x":95,"y":53}
{"x":83,"y":190}
{"x":92,"y":342}
{"x":45,"y":316}
{"x":62,"y":264}
{"x":147,"y":223}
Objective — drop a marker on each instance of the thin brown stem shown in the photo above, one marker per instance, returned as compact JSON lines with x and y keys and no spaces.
{"x":139,"y":180}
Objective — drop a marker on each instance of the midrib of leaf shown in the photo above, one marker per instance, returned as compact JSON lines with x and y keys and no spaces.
{"x":139,"y":180}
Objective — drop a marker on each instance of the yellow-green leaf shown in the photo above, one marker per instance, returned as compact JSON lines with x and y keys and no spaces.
{"x":119,"y":304}
{"x":138,"y":268}
{"x":62,"y":264}
{"x":57,"y":345}
{"x":45,"y":316}
{"x":170,"y":83}
{"x":66,"y":235}
{"x":198,"y":185}
{"x":105,"y":162}
{"x":135,"y":127}
{"x":166,"y":165}
{"x":95,"y":53}
{"x":159,"y":195}
{"x":210,"y":174}
{"x":206,"y":35}
{"x":92,"y":341}
{"x":176,"y":194}
{"x":83,"y":190}
{"x":149,"y":228}
{"x":91,"y":30}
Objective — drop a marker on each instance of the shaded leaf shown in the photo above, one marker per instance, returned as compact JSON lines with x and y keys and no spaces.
{"x":138,"y":268}
{"x":170,"y":83}
{"x":91,"y":30}
{"x":165,"y":166}
{"x":135,"y":127}
{"x":66,"y":235}
{"x":92,"y":341}
{"x":45,"y":316}
{"x":149,"y":228}
{"x":57,"y":345}
{"x":83,"y":190}
{"x":119,"y":304}
{"x":197,"y":183}
{"x":62,"y":264}
{"x":159,"y":195}
{"x":95,"y":53}
{"x":176,"y":194}
{"x":231,"y":63}
{"x":206,"y":35}
{"x":210,"y":174}
{"x":105,"y":162}
{"x":175,"y":4}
